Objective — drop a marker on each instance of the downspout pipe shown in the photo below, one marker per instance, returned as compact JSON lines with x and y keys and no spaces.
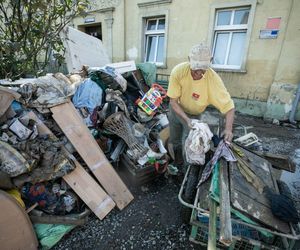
{"x":295,"y":105}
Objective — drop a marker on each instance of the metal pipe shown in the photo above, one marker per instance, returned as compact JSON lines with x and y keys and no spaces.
{"x":294,"y":107}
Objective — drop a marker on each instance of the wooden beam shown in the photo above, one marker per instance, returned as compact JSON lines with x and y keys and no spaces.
{"x":73,"y":126}
{"x":225,"y":215}
{"x":212,"y":228}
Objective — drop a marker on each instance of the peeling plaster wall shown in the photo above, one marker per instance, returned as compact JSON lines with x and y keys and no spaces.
{"x":281,"y":100}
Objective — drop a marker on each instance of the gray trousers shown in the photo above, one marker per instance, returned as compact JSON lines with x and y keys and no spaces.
{"x":178,"y":133}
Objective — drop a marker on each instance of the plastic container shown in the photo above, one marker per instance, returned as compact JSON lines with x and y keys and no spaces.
{"x":152,"y":99}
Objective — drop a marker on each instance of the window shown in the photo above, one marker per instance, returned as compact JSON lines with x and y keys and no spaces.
{"x":230,"y":29}
{"x":155,"y":40}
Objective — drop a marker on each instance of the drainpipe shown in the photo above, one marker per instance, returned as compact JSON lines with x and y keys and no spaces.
{"x":125,"y":30}
{"x":294,"y":107}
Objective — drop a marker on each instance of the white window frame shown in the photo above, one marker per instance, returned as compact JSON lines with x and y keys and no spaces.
{"x":231,"y":28}
{"x":211,"y":31}
{"x":154,"y":33}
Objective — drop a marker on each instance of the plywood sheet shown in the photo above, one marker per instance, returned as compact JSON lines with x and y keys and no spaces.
{"x":77,"y":132}
{"x":245,"y":198}
{"x":16,"y":231}
{"x":83,"y":49}
{"x":81,"y":182}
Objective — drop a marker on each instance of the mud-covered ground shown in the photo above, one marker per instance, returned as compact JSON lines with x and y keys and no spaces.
{"x":152,"y":220}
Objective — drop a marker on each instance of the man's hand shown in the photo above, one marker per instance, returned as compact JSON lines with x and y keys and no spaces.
{"x":227,"y":135}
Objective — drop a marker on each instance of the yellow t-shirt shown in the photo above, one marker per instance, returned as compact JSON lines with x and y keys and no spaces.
{"x":195,"y":95}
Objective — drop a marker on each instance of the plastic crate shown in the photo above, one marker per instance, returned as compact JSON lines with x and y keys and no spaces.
{"x":244,"y":237}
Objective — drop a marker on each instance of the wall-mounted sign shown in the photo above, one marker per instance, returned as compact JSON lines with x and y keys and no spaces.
{"x":273,"y":23}
{"x":268,"y":34}
{"x":89,"y":20}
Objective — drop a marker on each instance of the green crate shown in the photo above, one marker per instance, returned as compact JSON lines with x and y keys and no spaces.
{"x":199,"y":235}
{"x":252,"y":240}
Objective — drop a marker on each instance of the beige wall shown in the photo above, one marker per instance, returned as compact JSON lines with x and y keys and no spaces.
{"x":268,"y":61}
{"x":188,"y":23}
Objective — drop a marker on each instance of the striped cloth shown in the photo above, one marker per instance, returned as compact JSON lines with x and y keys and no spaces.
{"x":222,"y":150}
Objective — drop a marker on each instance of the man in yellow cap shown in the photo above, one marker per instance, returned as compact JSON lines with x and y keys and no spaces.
{"x":193,"y":85}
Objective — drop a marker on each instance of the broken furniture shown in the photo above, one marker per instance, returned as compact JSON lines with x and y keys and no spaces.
{"x":138,"y":175}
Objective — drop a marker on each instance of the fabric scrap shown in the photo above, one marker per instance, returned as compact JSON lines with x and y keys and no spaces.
{"x":88,"y":95}
{"x":197,"y":142}
{"x":222,"y":150}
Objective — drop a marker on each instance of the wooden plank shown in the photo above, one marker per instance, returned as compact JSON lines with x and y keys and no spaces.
{"x":81,"y":182}
{"x":278,"y":161}
{"x":89,"y":191}
{"x":225,"y":215}
{"x":212,"y":227}
{"x":246,"y":199}
{"x":77,"y":132}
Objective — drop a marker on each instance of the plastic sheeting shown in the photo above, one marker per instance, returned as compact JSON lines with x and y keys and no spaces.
{"x":149,"y":72}
{"x":88,"y":95}
{"x":49,"y":234}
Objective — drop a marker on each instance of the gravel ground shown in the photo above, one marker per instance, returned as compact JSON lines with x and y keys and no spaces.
{"x":152,"y":220}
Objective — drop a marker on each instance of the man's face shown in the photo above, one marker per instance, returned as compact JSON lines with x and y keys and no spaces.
{"x":197,"y":74}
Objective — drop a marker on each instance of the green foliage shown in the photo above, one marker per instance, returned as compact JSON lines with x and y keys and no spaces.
{"x":29,"y":32}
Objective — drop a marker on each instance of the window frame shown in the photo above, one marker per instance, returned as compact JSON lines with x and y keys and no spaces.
{"x":214,"y":8}
{"x":154,"y":33}
{"x":230,"y":28}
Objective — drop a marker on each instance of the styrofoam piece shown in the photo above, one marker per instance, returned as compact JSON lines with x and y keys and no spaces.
{"x":123,"y":67}
{"x":247,"y":139}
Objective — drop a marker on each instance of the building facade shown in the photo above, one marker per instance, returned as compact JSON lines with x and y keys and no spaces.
{"x":255,"y":43}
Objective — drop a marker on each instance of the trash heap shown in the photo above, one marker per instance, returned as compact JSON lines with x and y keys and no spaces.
{"x":125,"y":115}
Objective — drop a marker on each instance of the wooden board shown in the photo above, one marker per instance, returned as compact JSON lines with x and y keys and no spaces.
{"x":16,"y":231}
{"x":89,"y":191}
{"x":245,"y":198}
{"x":81,"y":182}
{"x":72,"y":125}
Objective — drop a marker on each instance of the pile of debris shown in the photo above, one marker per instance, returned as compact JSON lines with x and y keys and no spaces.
{"x":60,"y":136}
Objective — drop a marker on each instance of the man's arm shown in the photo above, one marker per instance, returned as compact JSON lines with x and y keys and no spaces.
{"x":179,"y":111}
{"x":229,"y":118}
